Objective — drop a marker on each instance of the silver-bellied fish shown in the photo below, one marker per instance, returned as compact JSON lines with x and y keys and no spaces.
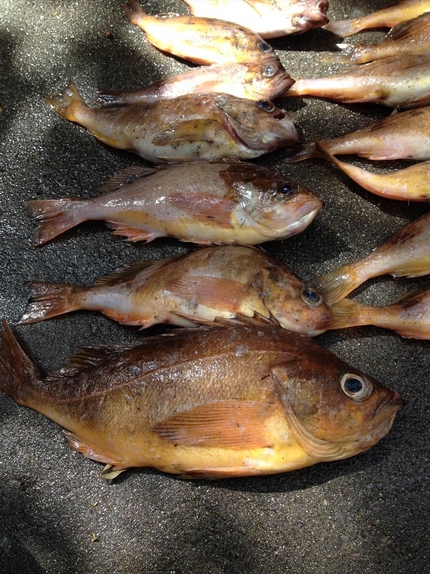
{"x":190,"y":127}
{"x":227,"y":284}
{"x":207,"y":403}
{"x":201,"y":202}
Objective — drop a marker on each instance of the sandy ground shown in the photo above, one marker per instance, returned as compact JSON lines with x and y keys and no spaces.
{"x":366,"y":514}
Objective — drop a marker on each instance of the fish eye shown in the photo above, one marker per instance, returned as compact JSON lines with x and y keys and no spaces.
{"x":356,"y":387}
{"x":270,"y":70}
{"x":267,"y":106}
{"x":285,"y":188}
{"x":264,"y":46}
{"x":311,"y":297}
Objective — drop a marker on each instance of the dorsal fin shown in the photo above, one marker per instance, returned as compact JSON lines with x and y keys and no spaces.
{"x":132,"y":270}
{"x":127,"y":176}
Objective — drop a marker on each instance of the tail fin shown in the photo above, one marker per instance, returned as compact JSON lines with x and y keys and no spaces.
{"x":343,"y":28}
{"x":350,"y":313}
{"x":67,"y":102}
{"x":55,"y":216}
{"x":336,"y":285}
{"x":18,"y":373}
{"x":50,"y":300}
{"x":307,"y":151}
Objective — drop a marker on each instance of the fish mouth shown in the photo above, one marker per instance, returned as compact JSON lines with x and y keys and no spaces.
{"x":293,"y":226}
{"x":392,"y":401}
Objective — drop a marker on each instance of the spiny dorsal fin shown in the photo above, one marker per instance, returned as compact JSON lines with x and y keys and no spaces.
{"x":127,"y":176}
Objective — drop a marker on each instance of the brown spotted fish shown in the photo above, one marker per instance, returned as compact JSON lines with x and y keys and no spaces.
{"x":230,"y":283}
{"x":408,"y":184}
{"x":409,"y":316}
{"x":253,"y":81}
{"x":384,"y":18}
{"x":408,"y":38}
{"x":401,"y":135}
{"x":402,"y":81}
{"x":269,"y":18}
{"x":206,"y":403}
{"x":406,"y":253}
{"x":200,"y":40}
{"x":201,"y":202}
{"x":190,"y":127}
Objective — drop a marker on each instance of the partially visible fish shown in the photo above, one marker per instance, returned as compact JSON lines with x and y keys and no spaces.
{"x":406,"y":253}
{"x":206,"y":403}
{"x":254,"y":81}
{"x":200,"y":202}
{"x":384,"y":18}
{"x":190,"y":127}
{"x":269,"y":18}
{"x":408,"y":38}
{"x":401,"y":135}
{"x":409,"y":316}
{"x":200,"y":40}
{"x":408,"y":184}
{"x":402,"y":81}
{"x":231,"y":283}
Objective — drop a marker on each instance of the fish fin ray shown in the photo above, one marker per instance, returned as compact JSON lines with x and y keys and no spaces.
{"x":182,"y":132}
{"x":132,"y":234}
{"x":225,"y":424}
{"x":78,"y":444}
{"x":54,"y":216}
{"x":125,"y":177}
{"x":49,"y":300}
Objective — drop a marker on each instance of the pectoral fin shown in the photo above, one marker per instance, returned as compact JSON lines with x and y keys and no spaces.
{"x":226,"y":424}
{"x":183,"y":132}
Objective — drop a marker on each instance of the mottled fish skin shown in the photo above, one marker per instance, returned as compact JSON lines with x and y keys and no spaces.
{"x":200,"y":40}
{"x":228,"y":284}
{"x":410,"y":38}
{"x":384,"y":18}
{"x":403,"y":82}
{"x":401,"y":135}
{"x":409,"y":316}
{"x":207,"y":403}
{"x":269,"y":18}
{"x":199,"y":202}
{"x":406,"y":253}
{"x":192,"y":127}
{"x":253,"y":81}
{"x":408,"y":184}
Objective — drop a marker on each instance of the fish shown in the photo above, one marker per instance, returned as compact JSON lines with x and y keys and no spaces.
{"x":408,"y":184}
{"x":409,"y":315}
{"x":401,"y":135}
{"x":191,"y":127}
{"x":384,"y":18}
{"x":200,"y":40}
{"x":405,"y":254}
{"x":408,"y":38}
{"x":268,"y":18}
{"x":207,"y":403}
{"x":252,"y":81}
{"x":401,"y":81}
{"x":199,"y":202}
{"x":211,"y":285}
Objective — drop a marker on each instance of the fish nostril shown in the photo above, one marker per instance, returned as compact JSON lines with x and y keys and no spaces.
{"x":280,"y":115}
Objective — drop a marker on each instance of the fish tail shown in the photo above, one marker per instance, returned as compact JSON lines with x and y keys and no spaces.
{"x":68,"y":103}
{"x":55,"y":216}
{"x":18,"y":374}
{"x":342,"y":28}
{"x":349,"y":313}
{"x":134,"y":12}
{"x":307,"y":151}
{"x":50,"y":300}
{"x":336,"y":285}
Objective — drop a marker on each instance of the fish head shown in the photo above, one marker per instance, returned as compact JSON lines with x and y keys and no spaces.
{"x":266,"y":81}
{"x":274,"y":206}
{"x":257,"y":125}
{"x":309,"y":14}
{"x":250,"y":47}
{"x":334,"y":411}
{"x":293,"y":304}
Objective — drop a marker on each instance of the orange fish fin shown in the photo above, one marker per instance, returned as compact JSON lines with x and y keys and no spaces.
{"x":50,"y":300}
{"x":125,"y":177}
{"x":131,"y":233}
{"x":142,"y":268}
{"x":214,"y":292}
{"x":76,"y":443}
{"x":226,"y":424}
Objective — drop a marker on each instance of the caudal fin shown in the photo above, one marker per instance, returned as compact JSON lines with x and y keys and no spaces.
{"x":336,"y":285}
{"x":67,"y":103}
{"x":55,"y":216}
{"x":50,"y":300}
{"x":343,"y":28}
{"x":18,"y":374}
